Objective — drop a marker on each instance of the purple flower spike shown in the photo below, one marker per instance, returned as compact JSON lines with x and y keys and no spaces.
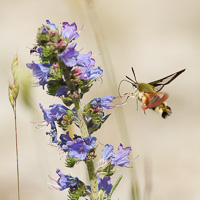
{"x":40,"y":71}
{"x":102,"y":102}
{"x":69,"y":31}
{"x":69,"y":56}
{"x":81,"y":147}
{"x":121,"y":157}
{"x":104,"y":184}
{"x":66,"y":181}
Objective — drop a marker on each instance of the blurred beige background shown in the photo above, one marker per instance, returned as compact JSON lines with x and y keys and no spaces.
{"x":157,"y":38}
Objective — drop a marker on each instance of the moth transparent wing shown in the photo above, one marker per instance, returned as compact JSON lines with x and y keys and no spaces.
{"x":159,"y":84}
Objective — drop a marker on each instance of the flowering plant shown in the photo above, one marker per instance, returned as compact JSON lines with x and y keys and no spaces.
{"x":67,"y":74}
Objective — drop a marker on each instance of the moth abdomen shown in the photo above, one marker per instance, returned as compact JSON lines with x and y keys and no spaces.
{"x":163,"y":109}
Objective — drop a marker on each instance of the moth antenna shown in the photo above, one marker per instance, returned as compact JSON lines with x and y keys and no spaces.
{"x":134,"y":74}
{"x":130,"y":79}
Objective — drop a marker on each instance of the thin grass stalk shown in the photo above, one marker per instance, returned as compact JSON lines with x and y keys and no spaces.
{"x":17,"y":154}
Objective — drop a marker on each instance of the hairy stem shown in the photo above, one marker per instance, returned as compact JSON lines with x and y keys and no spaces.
{"x":93,"y":179}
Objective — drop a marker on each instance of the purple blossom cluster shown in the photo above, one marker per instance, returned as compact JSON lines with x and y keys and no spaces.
{"x":67,"y":74}
{"x":55,"y":113}
{"x":56,"y":50}
{"x":102,"y":102}
{"x":66,"y":181}
{"x":77,"y":148}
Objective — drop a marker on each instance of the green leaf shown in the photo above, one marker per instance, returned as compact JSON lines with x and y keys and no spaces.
{"x":53,"y":86}
{"x":107,"y":170}
{"x":70,"y":162}
{"x":115,"y":186}
{"x":67,"y":101}
{"x":110,"y":173}
{"x":92,"y":126}
{"x":79,"y":192}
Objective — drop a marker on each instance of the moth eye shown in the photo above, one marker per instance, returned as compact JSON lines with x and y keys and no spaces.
{"x":135,"y":85}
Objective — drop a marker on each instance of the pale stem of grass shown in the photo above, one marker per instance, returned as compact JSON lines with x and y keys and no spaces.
{"x":16,"y":145}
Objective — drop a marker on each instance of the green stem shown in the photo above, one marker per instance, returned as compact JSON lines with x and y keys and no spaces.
{"x":93,"y":179}
{"x":89,"y":163}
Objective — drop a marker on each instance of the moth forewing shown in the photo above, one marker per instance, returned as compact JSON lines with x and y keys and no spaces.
{"x":159,"y":84}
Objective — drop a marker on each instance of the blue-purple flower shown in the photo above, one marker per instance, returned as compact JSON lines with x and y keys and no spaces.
{"x":81,"y":147}
{"x":41,"y":71}
{"x":44,"y":29}
{"x":90,"y":73}
{"x":85,"y":60}
{"x":77,"y":148}
{"x":120,"y":158}
{"x":62,"y":91}
{"x":51,"y":115}
{"x":55,"y":112}
{"x":107,"y":152}
{"x":69,"y":31}
{"x":39,"y":50}
{"x":63,"y":141}
{"x":51,"y":26}
{"x":69,"y":56}
{"x":104,"y":186}
{"x":102,"y":102}
{"x":53,"y":134}
{"x":66,"y":181}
